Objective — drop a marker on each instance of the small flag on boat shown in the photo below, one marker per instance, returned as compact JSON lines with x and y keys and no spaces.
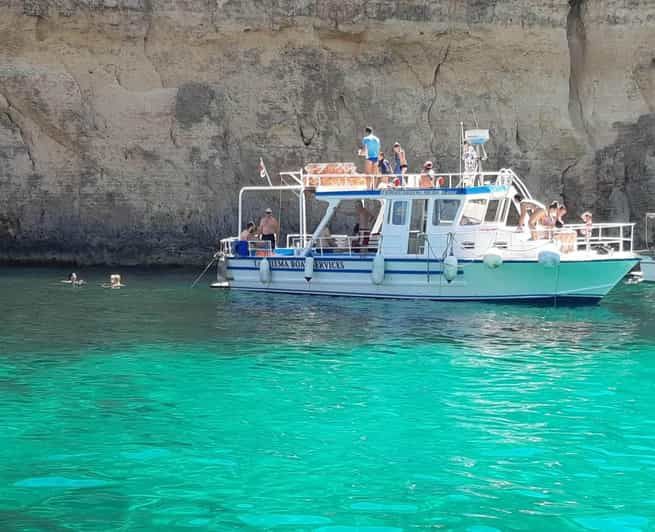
{"x":263,"y":173}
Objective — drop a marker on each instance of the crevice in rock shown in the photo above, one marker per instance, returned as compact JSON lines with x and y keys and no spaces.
{"x":306,"y":140}
{"x":171,"y":133}
{"x":522,"y":145}
{"x":25,"y":137}
{"x":562,"y":177}
{"x":147,"y":5}
{"x":577,"y":41}
{"x":411,"y":69}
{"x":342,"y":101}
{"x":117,"y":77}
{"x":435,"y":82}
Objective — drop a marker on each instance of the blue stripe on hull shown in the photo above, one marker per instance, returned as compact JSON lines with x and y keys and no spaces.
{"x":387,"y":272}
{"x":431,"y":261}
{"x":586,"y":299}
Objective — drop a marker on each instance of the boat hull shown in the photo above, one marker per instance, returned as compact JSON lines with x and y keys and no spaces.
{"x":582,"y":281}
{"x":647,"y":265}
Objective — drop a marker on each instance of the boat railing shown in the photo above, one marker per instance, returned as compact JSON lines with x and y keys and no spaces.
{"x":245,"y":248}
{"x":601,"y":236}
{"x":365,"y":242}
{"x":359,"y":181}
{"x":227,"y":245}
{"x":598,"y":238}
{"x":296,"y":243}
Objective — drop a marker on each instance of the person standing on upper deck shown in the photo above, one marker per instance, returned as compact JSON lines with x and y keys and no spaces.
{"x":426,"y":180}
{"x":399,"y":160}
{"x":384,"y":165}
{"x":371,"y":150}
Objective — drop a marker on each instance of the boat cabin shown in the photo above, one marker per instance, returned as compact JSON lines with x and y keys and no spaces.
{"x":416,"y":215}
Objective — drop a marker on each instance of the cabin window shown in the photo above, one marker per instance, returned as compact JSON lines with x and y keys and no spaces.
{"x":398,"y":213}
{"x":445,"y":211}
{"x":473,"y":213}
{"x":419,"y":215}
{"x":512,"y":213}
{"x":492,"y":211}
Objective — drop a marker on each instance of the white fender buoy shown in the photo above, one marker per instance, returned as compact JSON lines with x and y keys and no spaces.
{"x":450,"y":266}
{"x":493,"y":258}
{"x":377,"y":269}
{"x":264,"y":271}
{"x":222,"y":272}
{"x":549,"y":256}
{"x":309,"y":268}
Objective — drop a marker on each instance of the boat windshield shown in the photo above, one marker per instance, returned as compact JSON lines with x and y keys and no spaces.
{"x":474,"y":210}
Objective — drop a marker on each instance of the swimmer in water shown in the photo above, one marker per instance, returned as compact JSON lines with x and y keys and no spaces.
{"x":73,"y":280}
{"x":114,"y":281}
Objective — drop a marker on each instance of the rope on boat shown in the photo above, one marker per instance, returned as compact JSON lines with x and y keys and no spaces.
{"x":214,"y":259}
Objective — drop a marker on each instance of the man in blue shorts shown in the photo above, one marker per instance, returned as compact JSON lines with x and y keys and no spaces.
{"x":371,"y":150}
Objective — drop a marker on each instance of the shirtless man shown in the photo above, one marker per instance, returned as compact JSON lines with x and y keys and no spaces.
{"x":269,"y":227}
{"x":249,"y":232}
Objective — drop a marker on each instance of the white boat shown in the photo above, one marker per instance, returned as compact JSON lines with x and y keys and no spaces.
{"x":452,"y":237}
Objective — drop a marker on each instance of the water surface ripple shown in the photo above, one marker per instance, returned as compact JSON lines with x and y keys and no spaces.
{"x":161,"y":407}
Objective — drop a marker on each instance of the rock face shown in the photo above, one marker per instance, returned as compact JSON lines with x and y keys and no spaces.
{"x":127,"y":127}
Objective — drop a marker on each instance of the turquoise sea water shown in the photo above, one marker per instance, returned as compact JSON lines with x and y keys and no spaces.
{"x":161,"y":407}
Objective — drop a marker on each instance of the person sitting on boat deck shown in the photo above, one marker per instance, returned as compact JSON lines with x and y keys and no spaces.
{"x":371,"y":150}
{"x":547,"y":219}
{"x":384,"y":165}
{"x":588,"y":224}
{"x":363,"y":227}
{"x":427,"y":175}
{"x":399,"y":163}
{"x":249,"y":232}
{"x":561,"y":213}
{"x":269,"y":228}
{"x":567,"y":237}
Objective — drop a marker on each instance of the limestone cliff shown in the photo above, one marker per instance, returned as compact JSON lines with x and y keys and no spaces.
{"x":128,"y":126}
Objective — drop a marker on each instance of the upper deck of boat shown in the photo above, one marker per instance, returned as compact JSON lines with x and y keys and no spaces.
{"x":342,"y":179}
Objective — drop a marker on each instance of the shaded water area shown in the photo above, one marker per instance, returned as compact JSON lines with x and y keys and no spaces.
{"x":160,"y":407}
